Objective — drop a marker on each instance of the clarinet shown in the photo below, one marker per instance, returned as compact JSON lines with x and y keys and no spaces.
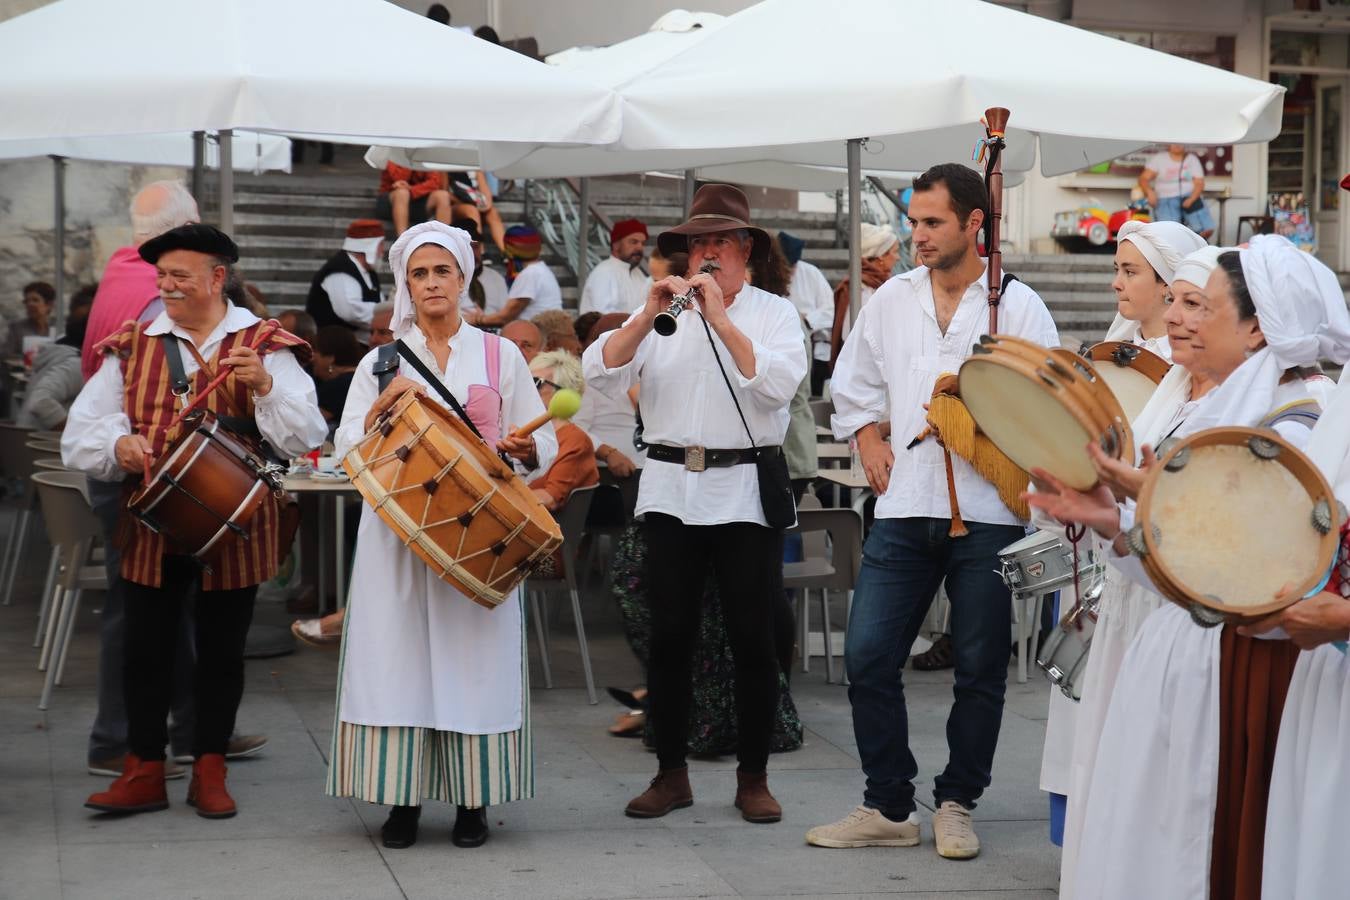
{"x":665,"y":322}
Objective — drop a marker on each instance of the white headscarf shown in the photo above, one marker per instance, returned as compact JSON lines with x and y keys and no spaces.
{"x":1298,"y":301}
{"x":1196,"y":268}
{"x":367,"y":247}
{"x":1164,"y":245}
{"x":456,"y":240}
{"x":876,"y":240}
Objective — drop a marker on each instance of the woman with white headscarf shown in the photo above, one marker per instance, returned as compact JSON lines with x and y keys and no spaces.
{"x":1148,"y":255}
{"x":1177,"y":798}
{"x":1309,"y":811}
{"x":432,"y":688}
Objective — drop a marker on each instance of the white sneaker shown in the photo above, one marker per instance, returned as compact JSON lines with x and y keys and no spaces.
{"x":954,"y":833}
{"x":866,"y":828}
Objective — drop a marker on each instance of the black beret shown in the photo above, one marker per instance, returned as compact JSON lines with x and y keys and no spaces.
{"x":197,"y":237}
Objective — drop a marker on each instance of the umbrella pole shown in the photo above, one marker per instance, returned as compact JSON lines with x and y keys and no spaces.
{"x":198,"y":165}
{"x":583,"y":265}
{"x":59,"y":235}
{"x":688,"y":199}
{"x":854,"y":228}
{"x":226,"y":138}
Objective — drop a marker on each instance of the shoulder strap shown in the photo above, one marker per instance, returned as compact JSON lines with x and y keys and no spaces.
{"x":437,"y":385}
{"x":492,"y":351}
{"x":386,"y":365}
{"x":1008,"y":278}
{"x":717,"y":356}
{"x":173,"y":356}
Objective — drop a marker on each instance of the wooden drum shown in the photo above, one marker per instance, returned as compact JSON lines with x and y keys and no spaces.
{"x":1228,"y":518}
{"x":1131,"y":372}
{"x":205,"y":489}
{"x":1041,"y":407}
{"x":452,"y":500}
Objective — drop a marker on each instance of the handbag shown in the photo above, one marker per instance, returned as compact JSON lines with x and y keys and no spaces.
{"x":1189,"y":206}
{"x":775,"y":485}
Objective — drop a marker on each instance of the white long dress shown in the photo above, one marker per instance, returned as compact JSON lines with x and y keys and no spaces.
{"x":1146,"y":818}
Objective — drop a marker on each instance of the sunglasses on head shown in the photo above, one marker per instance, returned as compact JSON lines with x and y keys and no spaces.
{"x":540,"y":382}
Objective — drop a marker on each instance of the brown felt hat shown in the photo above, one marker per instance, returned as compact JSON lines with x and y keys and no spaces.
{"x":716,"y":207}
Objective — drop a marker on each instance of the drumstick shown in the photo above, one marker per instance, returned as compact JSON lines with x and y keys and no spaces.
{"x":564,"y":405}
{"x":259,"y":343}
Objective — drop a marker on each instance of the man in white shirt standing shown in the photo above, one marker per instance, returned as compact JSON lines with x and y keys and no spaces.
{"x":923,"y":325}
{"x":346,"y":289}
{"x":618,"y":285}
{"x":702,"y":505}
{"x":810,"y":292}
{"x":533,"y":286}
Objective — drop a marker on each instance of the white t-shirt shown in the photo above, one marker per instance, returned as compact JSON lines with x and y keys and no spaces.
{"x":615,"y":287}
{"x":1175,"y":177}
{"x":494,"y":290}
{"x":536,"y":282}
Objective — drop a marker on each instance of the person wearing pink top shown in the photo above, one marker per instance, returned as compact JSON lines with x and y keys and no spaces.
{"x":127,"y":289}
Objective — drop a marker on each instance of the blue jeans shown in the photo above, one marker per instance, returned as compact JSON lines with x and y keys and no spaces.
{"x":1169,"y":210}
{"x":904,"y":561}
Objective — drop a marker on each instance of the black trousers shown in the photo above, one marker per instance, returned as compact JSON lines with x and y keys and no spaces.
{"x":747,"y":562}
{"x":222,"y":619}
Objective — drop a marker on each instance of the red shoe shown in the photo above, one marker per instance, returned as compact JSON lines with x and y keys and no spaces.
{"x":140,"y":788}
{"x":207,"y":790}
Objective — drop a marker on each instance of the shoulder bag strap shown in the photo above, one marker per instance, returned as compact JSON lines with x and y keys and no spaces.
{"x":173,"y":355}
{"x":717,"y":356}
{"x":436,"y":385}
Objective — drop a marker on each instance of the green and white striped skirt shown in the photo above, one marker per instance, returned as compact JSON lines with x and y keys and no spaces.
{"x":404,"y":765}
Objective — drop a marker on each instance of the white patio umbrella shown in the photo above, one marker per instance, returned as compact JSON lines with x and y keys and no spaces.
{"x":354,"y":69}
{"x":252,"y":152}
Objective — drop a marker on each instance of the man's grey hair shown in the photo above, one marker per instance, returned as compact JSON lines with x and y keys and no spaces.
{"x":159,"y":207}
{"x":382,"y":308}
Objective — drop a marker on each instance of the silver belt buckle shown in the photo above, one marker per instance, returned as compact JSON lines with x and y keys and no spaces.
{"x":694,"y":459}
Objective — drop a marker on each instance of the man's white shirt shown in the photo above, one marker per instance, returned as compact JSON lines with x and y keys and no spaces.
{"x":811,"y":293}
{"x":614,"y":286}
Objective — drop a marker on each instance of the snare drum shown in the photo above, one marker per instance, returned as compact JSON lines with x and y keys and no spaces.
{"x":1131,"y":372}
{"x":1041,"y":407}
{"x":1065,"y":652}
{"x":1228,"y":517}
{"x":1041,"y":563}
{"x":452,"y":500}
{"x":205,"y":489}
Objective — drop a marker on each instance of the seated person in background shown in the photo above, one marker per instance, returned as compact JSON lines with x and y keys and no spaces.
{"x":472,"y":197}
{"x":299,"y":323}
{"x":661,"y":266}
{"x":574,"y":467}
{"x":38,"y":299}
{"x":583,"y":325}
{"x":346,"y":288}
{"x":618,"y":283}
{"x":487,"y":289}
{"x":56,"y":380}
{"x":559,"y":331}
{"x":407,"y":196}
{"x":336,"y":353}
{"x":533,"y":285}
{"x":526,"y":336}
{"x":609,"y":421}
{"x":381,"y":324}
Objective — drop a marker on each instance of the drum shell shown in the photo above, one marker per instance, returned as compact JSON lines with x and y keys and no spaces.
{"x":451,"y":500}
{"x":1206,"y":609}
{"x":218,"y":480}
{"x":1067,"y":378}
{"x":1064,"y":655}
{"x":1037,"y":564}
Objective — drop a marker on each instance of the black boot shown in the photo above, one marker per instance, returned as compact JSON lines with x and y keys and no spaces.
{"x":471,"y":828}
{"x":400,"y":829}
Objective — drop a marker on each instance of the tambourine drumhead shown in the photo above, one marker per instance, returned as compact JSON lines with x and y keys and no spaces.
{"x":1042,"y":407}
{"x":1131,"y":372}
{"x":1231,"y":516}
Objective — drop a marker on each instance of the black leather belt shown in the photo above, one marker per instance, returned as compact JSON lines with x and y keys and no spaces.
{"x":696,"y":459}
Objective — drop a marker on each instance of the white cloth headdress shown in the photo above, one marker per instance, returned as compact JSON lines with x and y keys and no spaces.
{"x":456,"y":240}
{"x":1299,"y":302}
{"x":367,"y":247}
{"x":876,"y":240}
{"x":1164,"y":245}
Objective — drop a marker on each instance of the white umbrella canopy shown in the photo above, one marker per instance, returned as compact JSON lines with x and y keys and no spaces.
{"x":358,"y":69}
{"x":252,"y":152}
{"x":742,"y":92}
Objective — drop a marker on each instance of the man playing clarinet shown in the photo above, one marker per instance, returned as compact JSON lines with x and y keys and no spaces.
{"x":123,"y":420}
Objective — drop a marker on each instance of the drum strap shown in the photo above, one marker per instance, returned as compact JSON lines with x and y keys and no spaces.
{"x":178,"y":380}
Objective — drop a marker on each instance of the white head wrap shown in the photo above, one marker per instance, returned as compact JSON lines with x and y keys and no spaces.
{"x":1164,"y":244}
{"x":1299,"y":302}
{"x":876,"y":240}
{"x":1196,"y":268}
{"x":367,"y":247}
{"x":456,"y":240}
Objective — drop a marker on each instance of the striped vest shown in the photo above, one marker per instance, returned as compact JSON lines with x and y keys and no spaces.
{"x":151,"y":405}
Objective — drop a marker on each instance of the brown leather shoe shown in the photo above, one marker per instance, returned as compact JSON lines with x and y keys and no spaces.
{"x":754,"y":800}
{"x":207,"y":790}
{"x":669,"y":790}
{"x":140,"y":788}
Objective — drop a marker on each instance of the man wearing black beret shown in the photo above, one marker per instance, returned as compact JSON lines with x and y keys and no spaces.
{"x":122,"y":421}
